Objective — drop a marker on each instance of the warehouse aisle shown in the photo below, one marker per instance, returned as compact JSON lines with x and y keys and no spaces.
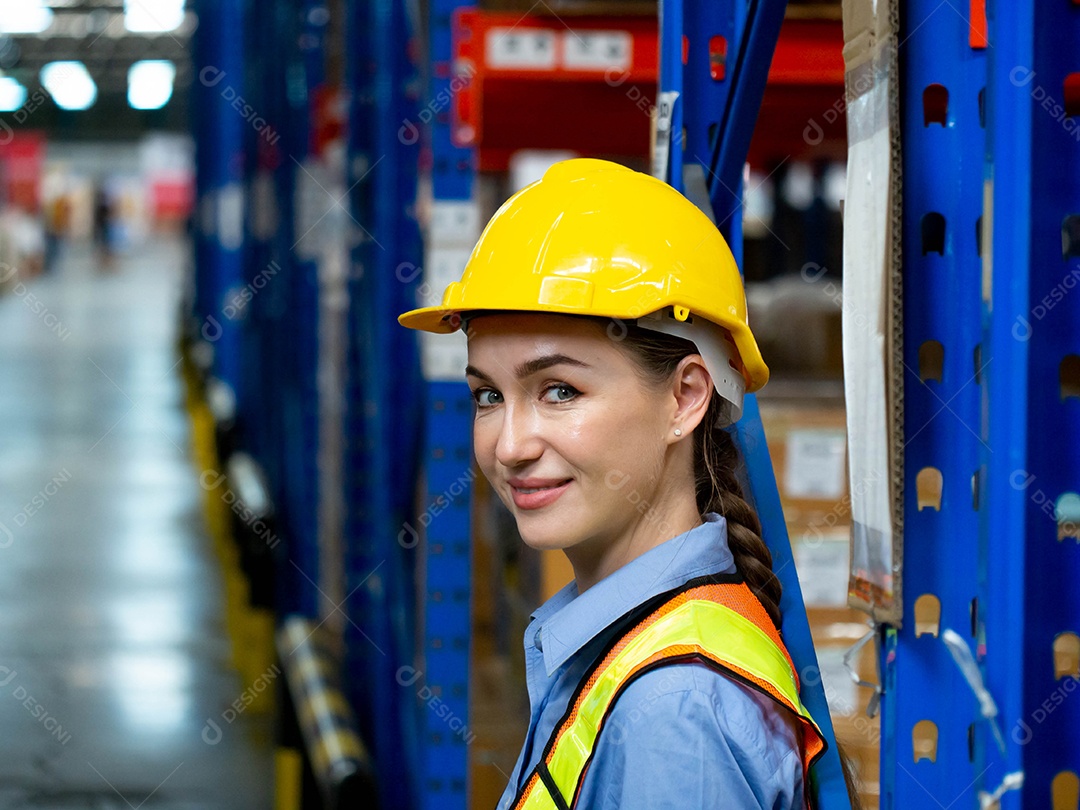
{"x":113,"y":653}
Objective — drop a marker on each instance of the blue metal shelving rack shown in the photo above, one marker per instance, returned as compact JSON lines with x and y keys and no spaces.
{"x":219,"y":143}
{"x":1031,"y":324}
{"x":718,"y":117}
{"x":943,"y":371}
{"x":384,"y":392}
{"x":304,"y":33}
{"x":444,"y":629}
{"x":991,"y":179}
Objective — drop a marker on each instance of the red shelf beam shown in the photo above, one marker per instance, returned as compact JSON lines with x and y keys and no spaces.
{"x":589,"y":84}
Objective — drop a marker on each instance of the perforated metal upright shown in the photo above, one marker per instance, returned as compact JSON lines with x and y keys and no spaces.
{"x":219,"y":144}
{"x":1030,"y":558}
{"x":943,"y":69}
{"x":383,"y":392}
{"x":991,"y":179}
{"x":300,"y":392}
{"x":259,"y":305}
{"x":274,"y":51}
{"x":443,"y":774}
{"x":714,"y":62}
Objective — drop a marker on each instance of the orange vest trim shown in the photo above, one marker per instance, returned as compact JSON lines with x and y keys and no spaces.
{"x":727,"y":590}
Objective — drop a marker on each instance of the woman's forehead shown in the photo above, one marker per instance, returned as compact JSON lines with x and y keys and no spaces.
{"x":525,"y":335}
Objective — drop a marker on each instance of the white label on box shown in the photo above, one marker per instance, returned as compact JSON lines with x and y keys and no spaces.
{"x":822,"y":562}
{"x":454,"y":222}
{"x":814,"y":467}
{"x":521,"y":48}
{"x":597,"y":50}
{"x":443,"y":356}
{"x":444,"y":265}
{"x":665,"y":111}
{"x":230,"y":216}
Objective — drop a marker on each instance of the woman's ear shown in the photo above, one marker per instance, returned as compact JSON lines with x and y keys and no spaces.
{"x":691,"y":388}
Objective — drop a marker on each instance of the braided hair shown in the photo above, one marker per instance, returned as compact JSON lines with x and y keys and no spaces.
{"x":716,"y":460}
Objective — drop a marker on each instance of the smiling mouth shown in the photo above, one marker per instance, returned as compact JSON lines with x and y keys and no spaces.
{"x":531,"y":490}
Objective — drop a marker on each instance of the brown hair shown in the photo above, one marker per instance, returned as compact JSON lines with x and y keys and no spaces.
{"x":716,"y":462}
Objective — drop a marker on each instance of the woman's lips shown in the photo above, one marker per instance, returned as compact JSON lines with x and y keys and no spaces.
{"x":542,"y":495}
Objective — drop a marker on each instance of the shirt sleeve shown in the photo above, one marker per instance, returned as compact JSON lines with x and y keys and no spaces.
{"x":687,"y":736}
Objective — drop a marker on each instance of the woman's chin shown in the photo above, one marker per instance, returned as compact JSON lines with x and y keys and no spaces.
{"x":542,"y":541}
{"x":545,"y":535}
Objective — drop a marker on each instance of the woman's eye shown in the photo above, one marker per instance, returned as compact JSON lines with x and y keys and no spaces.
{"x":560,"y":393}
{"x":485,"y":397}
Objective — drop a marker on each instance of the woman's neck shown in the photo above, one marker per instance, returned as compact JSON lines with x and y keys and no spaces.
{"x":594,"y":562}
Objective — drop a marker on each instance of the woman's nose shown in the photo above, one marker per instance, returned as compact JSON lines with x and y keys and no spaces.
{"x":519,"y":438}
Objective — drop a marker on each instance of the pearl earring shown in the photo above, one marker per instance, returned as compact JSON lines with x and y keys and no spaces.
{"x":678,"y":432}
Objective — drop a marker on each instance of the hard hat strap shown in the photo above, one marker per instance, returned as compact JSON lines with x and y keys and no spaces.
{"x":719,"y":355}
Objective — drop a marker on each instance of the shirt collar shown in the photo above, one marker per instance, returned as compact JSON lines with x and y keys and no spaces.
{"x":570,"y":620}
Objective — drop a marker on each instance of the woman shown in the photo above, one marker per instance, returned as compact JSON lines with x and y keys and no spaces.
{"x":607,"y":351}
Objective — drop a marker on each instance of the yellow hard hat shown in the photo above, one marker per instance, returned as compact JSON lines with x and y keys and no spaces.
{"x":593,"y":237}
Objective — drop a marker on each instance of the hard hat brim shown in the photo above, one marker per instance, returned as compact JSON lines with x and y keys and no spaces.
{"x":441,"y":320}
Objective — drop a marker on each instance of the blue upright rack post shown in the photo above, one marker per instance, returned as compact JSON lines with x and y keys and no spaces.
{"x":1030,"y":559}
{"x":220,"y":189}
{"x":443,"y":775}
{"x":718,"y":108}
{"x":361,"y":545}
{"x":286,"y":311}
{"x":384,"y":391}
{"x":941,"y":75}
{"x":272,"y":170}
{"x":263,"y":270}
{"x":305,"y":26}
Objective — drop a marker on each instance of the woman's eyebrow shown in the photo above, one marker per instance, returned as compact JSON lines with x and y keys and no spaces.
{"x":530,"y":367}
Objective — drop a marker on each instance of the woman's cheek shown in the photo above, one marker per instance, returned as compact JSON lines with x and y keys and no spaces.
{"x":484,"y":439}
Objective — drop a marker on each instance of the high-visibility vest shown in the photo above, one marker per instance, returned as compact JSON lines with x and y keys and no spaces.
{"x":715,"y":620}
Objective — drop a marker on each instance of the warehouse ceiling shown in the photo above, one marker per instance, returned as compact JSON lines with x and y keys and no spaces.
{"x":92,"y":32}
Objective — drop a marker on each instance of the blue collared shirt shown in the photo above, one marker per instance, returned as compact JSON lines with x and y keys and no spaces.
{"x":680,"y":736}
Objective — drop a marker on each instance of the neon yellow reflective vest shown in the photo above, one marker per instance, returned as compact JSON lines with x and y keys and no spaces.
{"x":721,"y":624}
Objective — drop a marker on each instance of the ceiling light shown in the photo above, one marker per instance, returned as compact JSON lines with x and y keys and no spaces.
{"x":12,"y":94}
{"x":24,"y":17}
{"x":150,"y":83}
{"x":153,"y":16}
{"x":69,"y":84}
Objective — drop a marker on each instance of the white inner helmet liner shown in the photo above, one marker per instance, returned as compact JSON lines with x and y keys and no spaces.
{"x":715,"y":349}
